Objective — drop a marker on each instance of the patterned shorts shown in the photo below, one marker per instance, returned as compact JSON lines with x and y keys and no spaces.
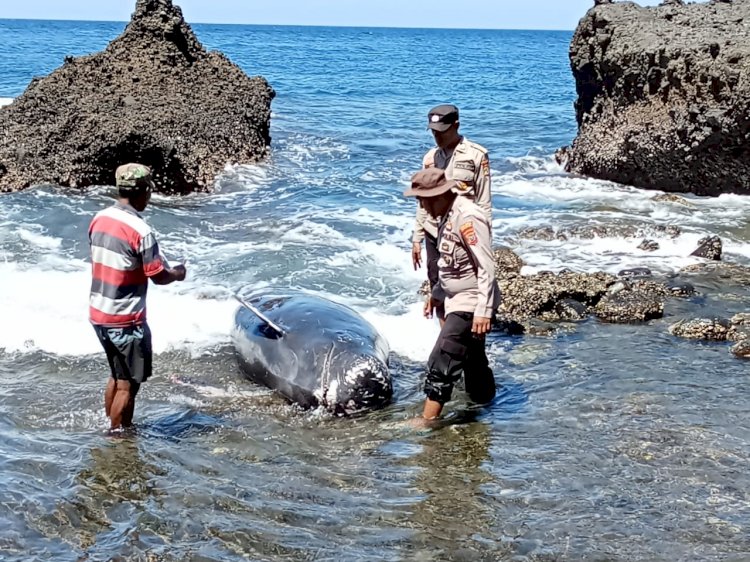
{"x":128,"y":351}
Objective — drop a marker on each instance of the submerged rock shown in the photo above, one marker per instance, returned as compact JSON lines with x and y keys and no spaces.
{"x":713,"y":329}
{"x":154,"y":95}
{"x":632,"y":302}
{"x":663,"y":96}
{"x":742,"y":349}
{"x":648,"y":245}
{"x":672,"y":198}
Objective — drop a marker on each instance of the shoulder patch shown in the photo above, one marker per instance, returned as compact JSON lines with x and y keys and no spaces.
{"x":468,"y":233}
{"x":486,"y":166}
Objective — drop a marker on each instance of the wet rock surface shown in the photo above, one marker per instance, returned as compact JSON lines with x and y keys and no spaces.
{"x":154,"y":95}
{"x":589,"y":232}
{"x":663,"y":96}
{"x":709,"y":247}
{"x":714,"y":329}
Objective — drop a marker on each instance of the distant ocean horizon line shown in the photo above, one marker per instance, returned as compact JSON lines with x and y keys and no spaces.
{"x":537,"y":30}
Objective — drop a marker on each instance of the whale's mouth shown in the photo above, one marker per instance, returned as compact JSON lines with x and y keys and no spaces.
{"x":362,"y":384}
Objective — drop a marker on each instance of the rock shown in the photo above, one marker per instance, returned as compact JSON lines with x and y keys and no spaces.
{"x":507,"y":262}
{"x":713,"y":329}
{"x":672,"y":198}
{"x":536,"y":296}
{"x":635,"y":272}
{"x":628,"y":303}
{"x":154,"y":95}
{"x":680,"y":289}
{"x":709,"y":247}
{"x":741,"y":319}
{"x":739,"y":274}
{"x":742,"y":349}
{"x":663,"y":100}
{"x":648,"y":246}
{"x":507,"y":325}
{"x":546,"y":233}
{"x":570,"y":310}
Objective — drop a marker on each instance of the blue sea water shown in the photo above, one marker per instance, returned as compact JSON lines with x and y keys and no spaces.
{"x":607,"y":442}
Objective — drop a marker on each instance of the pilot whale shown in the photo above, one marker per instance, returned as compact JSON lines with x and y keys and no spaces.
{"x":313,"y":351}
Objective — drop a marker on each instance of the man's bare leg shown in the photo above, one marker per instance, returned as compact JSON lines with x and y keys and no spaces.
{"x":120,"y":404}
{"x":109,"y":395}
{"x":431,"y":410}
{"x":127,"y":415}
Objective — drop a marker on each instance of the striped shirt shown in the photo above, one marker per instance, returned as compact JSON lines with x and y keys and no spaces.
{"x":124,"y":254}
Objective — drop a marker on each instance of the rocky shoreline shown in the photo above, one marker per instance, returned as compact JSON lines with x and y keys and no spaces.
{"x":663,"y":96}
{"x":154,"y":95}
{"x":547,"y":302}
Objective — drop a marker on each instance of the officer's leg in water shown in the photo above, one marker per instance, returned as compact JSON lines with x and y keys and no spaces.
{"x":478,"y":377}
{"x":447,"y":361}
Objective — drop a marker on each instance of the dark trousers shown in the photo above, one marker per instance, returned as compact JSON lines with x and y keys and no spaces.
{"x":433,"y":273}
{"x":433,"y":255}
{"x":457,"y":351}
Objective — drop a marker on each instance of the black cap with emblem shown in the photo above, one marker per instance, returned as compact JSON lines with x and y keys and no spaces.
{"x":441,"y":118}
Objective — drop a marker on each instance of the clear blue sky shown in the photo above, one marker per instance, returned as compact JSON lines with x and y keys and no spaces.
{"x":486,"y":14}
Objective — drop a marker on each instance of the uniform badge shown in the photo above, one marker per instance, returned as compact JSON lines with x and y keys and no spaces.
{"x":486,"y":166}
{"x":467,"y":165}
{"x":469,"y":234}
{"x":462,"y":186}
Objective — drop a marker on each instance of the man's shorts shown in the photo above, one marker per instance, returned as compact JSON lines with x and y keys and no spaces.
{"x":128,"y":351}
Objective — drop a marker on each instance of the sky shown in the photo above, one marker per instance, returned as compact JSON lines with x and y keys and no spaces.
{"x":481,"y":14}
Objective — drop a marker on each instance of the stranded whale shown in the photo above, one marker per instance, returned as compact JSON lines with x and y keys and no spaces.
{"x":313,"y":351}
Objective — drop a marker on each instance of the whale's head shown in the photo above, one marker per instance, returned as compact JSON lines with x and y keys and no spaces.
{"x":357,"y":384}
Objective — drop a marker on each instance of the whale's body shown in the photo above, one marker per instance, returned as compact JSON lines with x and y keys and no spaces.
{"x":328,"y":355}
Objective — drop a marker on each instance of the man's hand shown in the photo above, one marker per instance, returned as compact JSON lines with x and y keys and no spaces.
{"x":179,"y":272}
{"x":480,"y":326}
{"x":416,"y":255}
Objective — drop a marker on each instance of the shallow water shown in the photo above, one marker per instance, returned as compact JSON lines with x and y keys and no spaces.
{"x":607,"y":442}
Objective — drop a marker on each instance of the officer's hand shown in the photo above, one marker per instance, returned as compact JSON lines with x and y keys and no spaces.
{"x":429,"y":304}
{"x":416,"y":255}
{"x":480,"y":326}
{"x":179,"y":272}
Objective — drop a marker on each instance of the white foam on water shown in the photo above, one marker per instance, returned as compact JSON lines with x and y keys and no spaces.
{"x":409,"y":334}
{"x":36,"y":238}
{"x":5,"y":101}
{"x":45,"y":308}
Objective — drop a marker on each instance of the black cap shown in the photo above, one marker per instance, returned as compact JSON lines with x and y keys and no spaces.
{"x":441,"y":118}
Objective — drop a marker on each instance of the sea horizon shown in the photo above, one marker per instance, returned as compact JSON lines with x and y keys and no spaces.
{"x":266,"y":25}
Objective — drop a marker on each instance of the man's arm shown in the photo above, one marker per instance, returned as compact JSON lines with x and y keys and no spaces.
{"x":476,"y":235}
{"x":155,"y":266}
{"x":428,"y":160}
{"x":169,"y":275}
{"x":483,"y":188}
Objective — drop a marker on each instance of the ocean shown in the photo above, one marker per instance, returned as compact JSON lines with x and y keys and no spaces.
{"x":607,"y":442}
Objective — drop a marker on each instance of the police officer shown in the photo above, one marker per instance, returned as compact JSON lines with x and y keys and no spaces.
{"x":467,"y":287}
{"x":464,"y":162}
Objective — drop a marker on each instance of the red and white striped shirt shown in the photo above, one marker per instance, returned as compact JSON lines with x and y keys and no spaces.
{"x":124,"y":254}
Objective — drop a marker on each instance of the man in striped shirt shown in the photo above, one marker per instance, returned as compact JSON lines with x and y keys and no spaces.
{"x":124,"y":256}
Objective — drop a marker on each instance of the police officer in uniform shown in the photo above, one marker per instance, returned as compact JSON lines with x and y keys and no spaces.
{"x":466,"y":286}
{"x":464,"y":162}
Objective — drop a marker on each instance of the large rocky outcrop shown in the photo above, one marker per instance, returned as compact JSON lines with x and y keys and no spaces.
{"x":154,"y":95}
{"x":664,"y":96}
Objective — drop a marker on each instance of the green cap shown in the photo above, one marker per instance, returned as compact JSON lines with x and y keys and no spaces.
{"x":133,"y":176}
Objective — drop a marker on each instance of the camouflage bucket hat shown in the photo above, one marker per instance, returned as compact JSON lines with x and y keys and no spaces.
{"x":133,"y":176}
